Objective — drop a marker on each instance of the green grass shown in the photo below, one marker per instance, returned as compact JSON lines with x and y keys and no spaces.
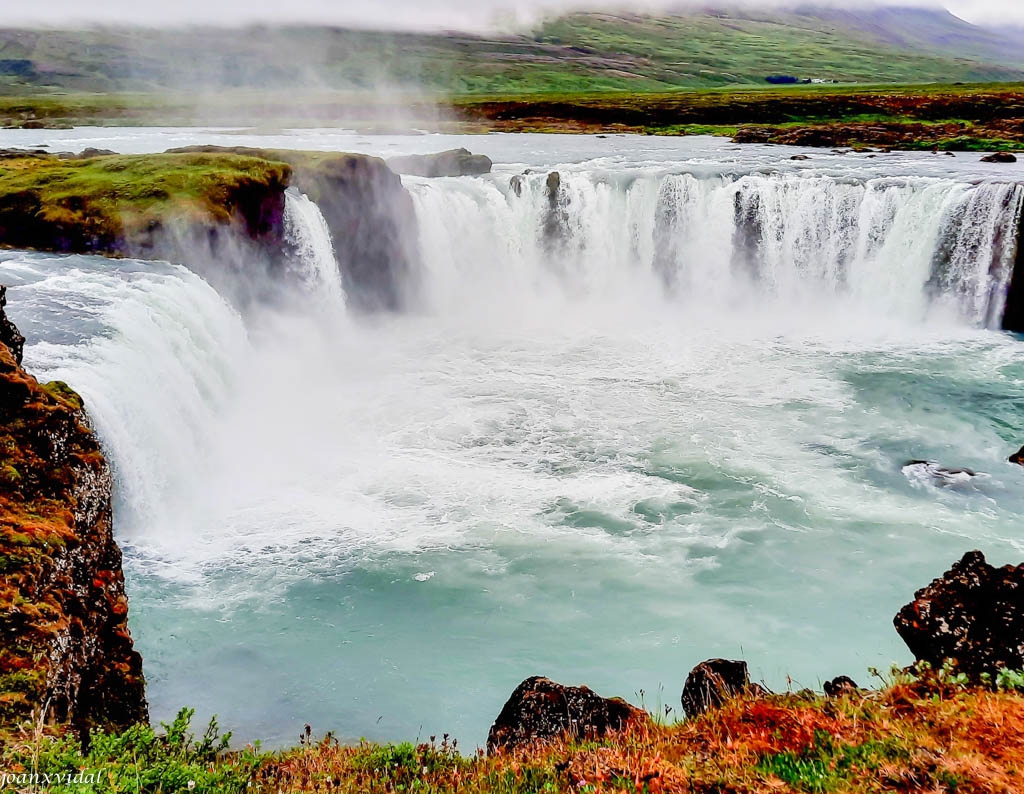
{"x":109,"y":197}
{"x":580,"y":52}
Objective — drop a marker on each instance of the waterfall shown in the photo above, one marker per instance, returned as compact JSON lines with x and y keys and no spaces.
{"x":900,"y":246}
{"x":155,"y":353}
{"x":309,"y":236}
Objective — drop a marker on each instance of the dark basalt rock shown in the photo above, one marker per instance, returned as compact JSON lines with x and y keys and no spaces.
{"x":710,"y":684}
{"x":840,"y":685}
{"x":9,"y":333}
{"x":454,"y":162}
{"x":999,"y":157}
{"x":937,"y":470}
{"x":541,"y":710}
{"x":973,"y":614}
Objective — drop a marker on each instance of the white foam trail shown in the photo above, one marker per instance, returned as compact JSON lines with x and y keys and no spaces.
{"x":306,"y":230}
{"x":903,"y":246}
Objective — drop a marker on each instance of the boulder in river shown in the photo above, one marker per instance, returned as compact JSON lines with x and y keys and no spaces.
{"x":999,"y":157}
{"x":454,"y":162}
{"x":710,"y":684}
{"x":973,"y":614}
{"x":541,"y":710}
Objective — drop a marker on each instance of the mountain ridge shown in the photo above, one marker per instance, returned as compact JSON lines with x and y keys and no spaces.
{"x":711,"y":46}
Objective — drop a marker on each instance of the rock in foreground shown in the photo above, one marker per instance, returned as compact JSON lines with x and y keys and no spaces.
{"x":454,"y":162}
{"x":973,"y":614}
{"x":541,"y":710}
{"x":66,"y":652}
{"x":713,"y":682}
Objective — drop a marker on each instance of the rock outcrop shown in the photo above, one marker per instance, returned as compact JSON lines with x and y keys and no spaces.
{"x":973,"y":614}
{"x":66,"y":653}
{"x":10,"y":336}
{"x":999,"y":157}
{"x":373,"y":224}
{"x":541,"y":710}
{"x":370,"y":215}
{"x":219,"y":211}
{"x":1017,"y":457}
{"x":710,"y":684}
{"x":454,"y":162}
{"x":840,"y":685}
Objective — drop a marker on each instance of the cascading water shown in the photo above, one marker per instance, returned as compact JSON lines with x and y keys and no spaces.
{"x":651,"y":412}
{"x":308,"y":234}
{"x":894,"y":245}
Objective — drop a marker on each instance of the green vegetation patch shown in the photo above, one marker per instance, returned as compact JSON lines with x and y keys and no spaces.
{"x":110,"y":197}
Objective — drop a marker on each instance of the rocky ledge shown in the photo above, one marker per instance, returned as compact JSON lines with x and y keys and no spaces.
{"x":219,"y":211}
{"x":66,"y":656}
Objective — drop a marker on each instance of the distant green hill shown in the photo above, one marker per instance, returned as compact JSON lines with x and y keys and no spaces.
{"x":579,"y":52}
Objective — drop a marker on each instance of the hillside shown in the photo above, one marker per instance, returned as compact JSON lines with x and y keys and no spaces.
{"x":578,"y":52}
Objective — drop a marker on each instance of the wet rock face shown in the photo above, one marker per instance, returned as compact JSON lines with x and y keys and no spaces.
{"x":9,"y":334}
{"x":973,"y":614}
{"x":713,"y":682}
{"x":373,"y":224}
{"x":541,"y":710}
{"x":454,"y":162}
{"x":63,"y":609}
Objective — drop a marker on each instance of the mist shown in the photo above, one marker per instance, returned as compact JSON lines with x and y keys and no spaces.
{"x":475,"y":15}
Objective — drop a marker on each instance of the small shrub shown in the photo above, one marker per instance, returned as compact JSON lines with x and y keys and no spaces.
{"x":139,"y":760}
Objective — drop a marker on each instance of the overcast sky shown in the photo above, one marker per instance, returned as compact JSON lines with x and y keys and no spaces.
{"x":389,"y":13}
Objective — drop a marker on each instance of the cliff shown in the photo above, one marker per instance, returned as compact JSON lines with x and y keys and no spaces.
{"x":218,"y":211}
{"x":369,"y":212}
{"x":66,"y":648}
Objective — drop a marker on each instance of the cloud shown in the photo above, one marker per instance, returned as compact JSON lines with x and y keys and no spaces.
{"x":456,"y":14}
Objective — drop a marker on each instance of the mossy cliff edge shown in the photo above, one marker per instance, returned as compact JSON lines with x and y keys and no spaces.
{"x":219,"y":211}
{"x":66,"y":656}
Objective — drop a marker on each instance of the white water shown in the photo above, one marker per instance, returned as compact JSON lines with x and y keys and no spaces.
{"x":871,"y":245}
{"x":602,"y":458}
{"x":307,"y":232}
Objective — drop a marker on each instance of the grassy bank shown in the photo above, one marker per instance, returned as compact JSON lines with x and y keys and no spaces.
{"x":983,"y":116}
{"x":909,"y":736}
{"x":108,"y":203}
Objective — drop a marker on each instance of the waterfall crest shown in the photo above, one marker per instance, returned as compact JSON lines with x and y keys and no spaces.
{"x":899,"y":245}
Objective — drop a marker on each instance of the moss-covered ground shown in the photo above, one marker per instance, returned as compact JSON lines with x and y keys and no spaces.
{"x":111,"y":197}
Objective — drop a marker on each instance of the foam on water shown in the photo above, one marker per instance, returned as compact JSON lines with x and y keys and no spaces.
{"x":601,"y":457}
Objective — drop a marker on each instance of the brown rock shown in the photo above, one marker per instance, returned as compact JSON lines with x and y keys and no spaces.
{"x":840,"y":685}
{"x":541,"y":710}
{"x":710,"y":684}
{"x":66,"y":650}
{"x":973,"y":614}
{"x":999,"y":157}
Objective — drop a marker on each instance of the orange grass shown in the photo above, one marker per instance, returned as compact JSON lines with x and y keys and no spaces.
{"x":904,"y":738}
